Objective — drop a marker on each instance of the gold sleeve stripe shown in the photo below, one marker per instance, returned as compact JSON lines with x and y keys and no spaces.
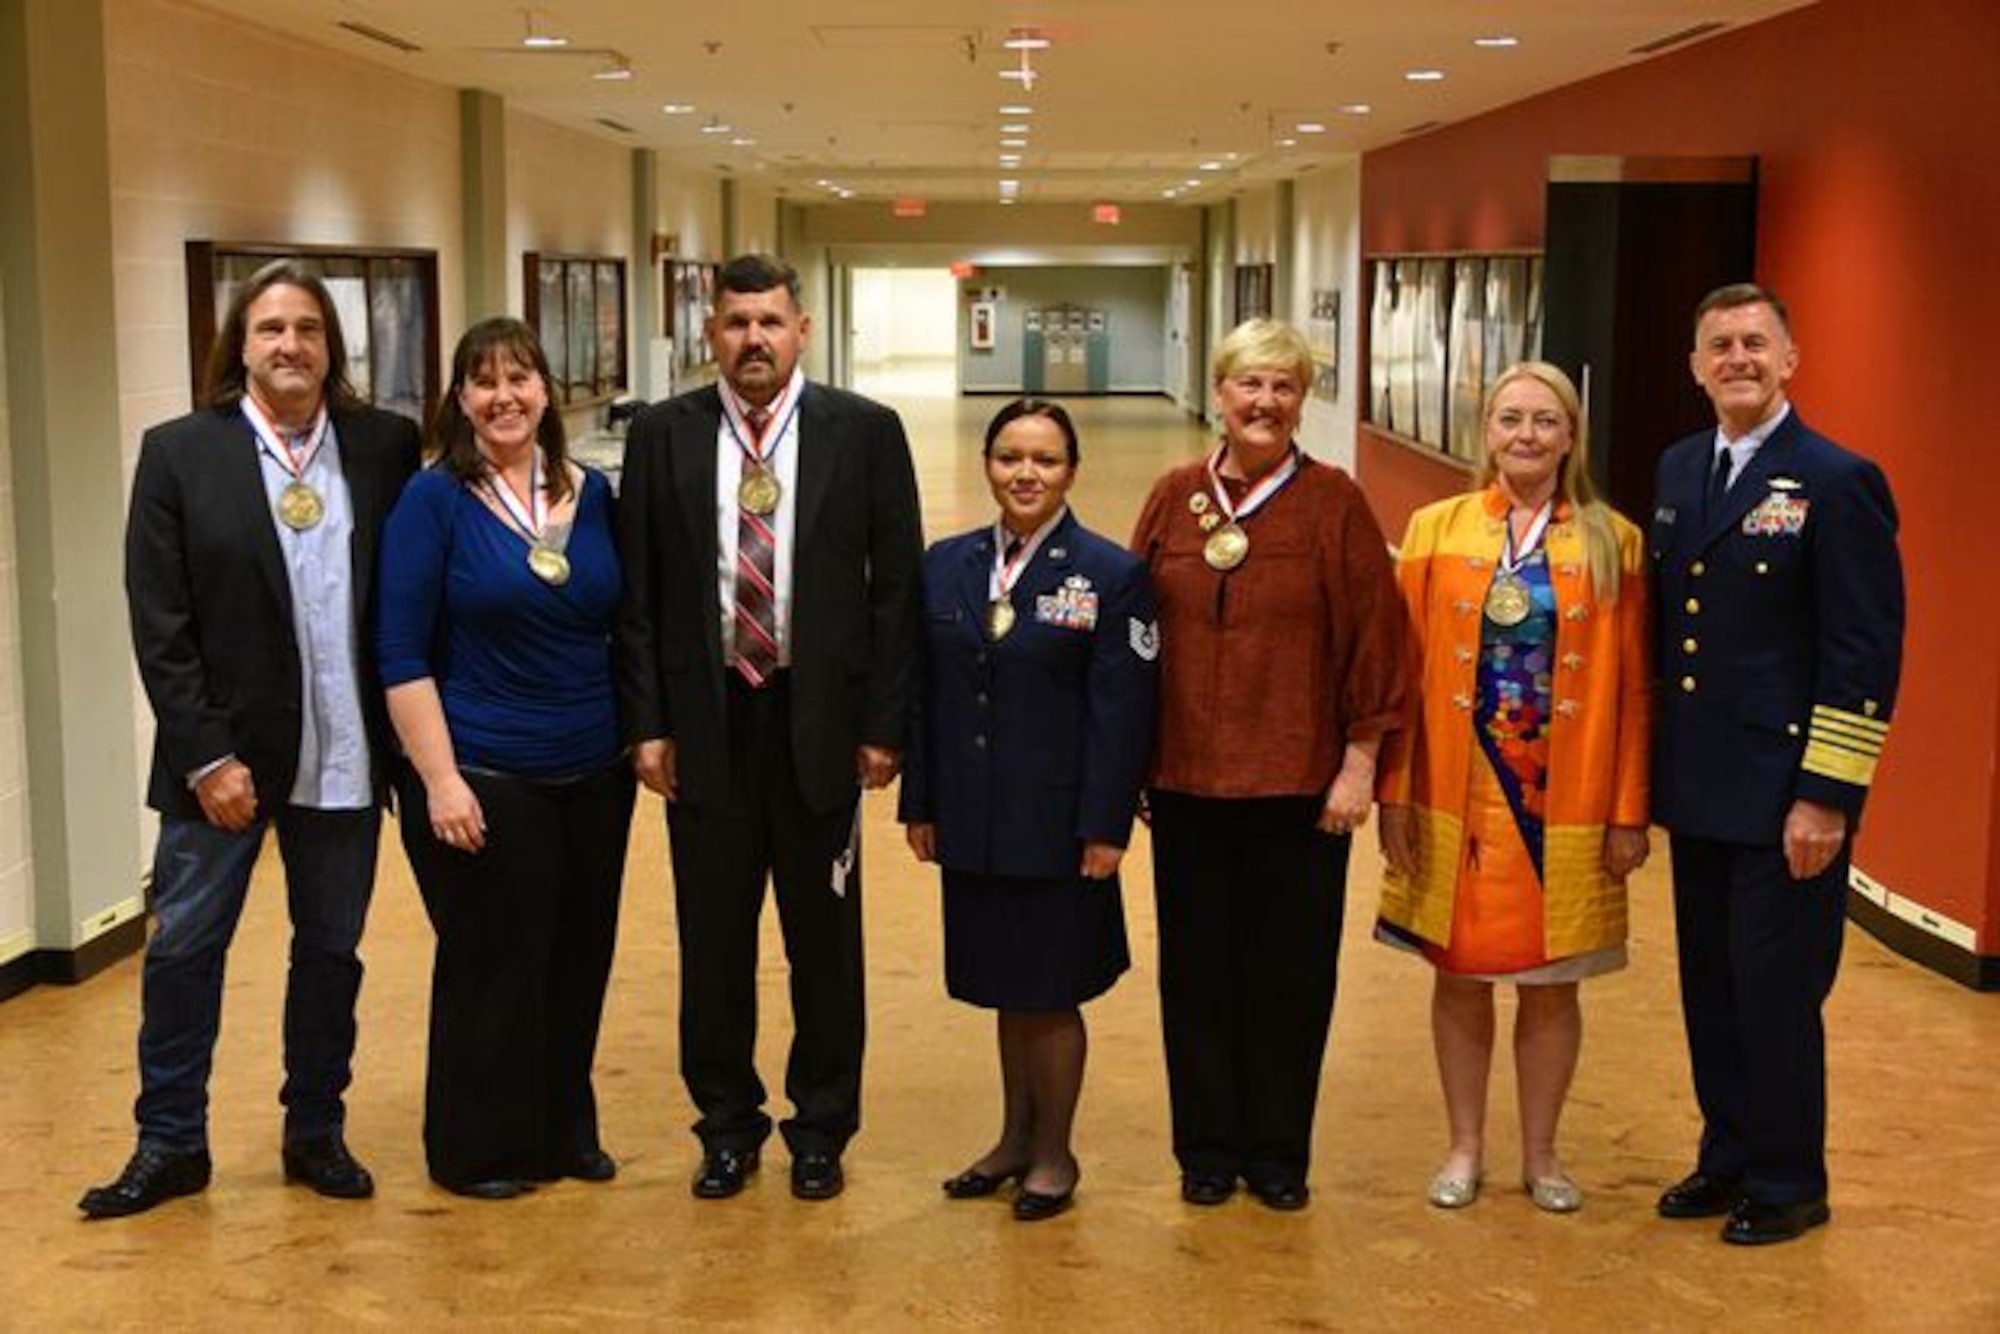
{"x":1826,"y":713}
{"x":1843,"y":766}
{"x":1866,"y":745}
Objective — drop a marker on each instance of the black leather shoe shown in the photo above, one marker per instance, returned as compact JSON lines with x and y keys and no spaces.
{"x":1700,"y":1196}
{"x":327,"y":1166}
{"x":1284,"y":1196}
{"x":151,"y":1176}
{"x":1206,"y":1188}
{"x":1032,"y":1206}
{"x":594,"y":1165}
{"x":817,"y":1176}
{"x":724,"y":1172}
{"x":498,"y":1188}
{"x":972,"y":1184}
{"x":1754,"y":1224}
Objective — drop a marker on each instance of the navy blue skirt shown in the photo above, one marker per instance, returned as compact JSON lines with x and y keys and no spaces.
{"x":1019,"y":944}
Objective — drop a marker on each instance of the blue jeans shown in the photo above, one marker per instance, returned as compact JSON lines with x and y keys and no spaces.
{"x":201,"y":875}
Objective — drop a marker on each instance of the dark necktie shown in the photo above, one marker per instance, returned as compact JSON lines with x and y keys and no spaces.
{"x":756,"y":584}
{"x":1718,"y":483}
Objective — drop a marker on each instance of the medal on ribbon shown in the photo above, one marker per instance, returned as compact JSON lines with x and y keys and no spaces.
{"x":759,"y":491}
{"x":546,"y":558}
{"x":1508,"y":598}
{"x":1228,"y":544}
{"x":1007,"y":571}
{"x":300,"y":506}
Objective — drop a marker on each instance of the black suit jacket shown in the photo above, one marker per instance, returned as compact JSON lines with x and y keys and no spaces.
{"x":1780,"y":623}
{"x":855,"y":588}
{"x":211,"y":605}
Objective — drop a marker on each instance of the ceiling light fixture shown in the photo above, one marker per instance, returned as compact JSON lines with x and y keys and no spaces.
{"x":715,"y":125}
{"x":677,"y":108}
{"x":1013,"y":143}
{"x":1017,"y":109}
{"x":538,"y":41}
{"x":618,"y":69}
{"x":1211,"y":166}
{"x":1014,"y":129}
{"x":1010,"y":159}
{"x":1497,"y":42}
{"x":1310,"y":127}
{"x":1424,"y":75}
{"x":1026,"y":39}
{"x":1356,"y":109}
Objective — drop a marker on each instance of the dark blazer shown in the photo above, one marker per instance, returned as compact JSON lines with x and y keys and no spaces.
{"x":1780,"y":635}
{"x":1027,"y":748}
{"x":854,"y":590}
{"x":211,"y":605}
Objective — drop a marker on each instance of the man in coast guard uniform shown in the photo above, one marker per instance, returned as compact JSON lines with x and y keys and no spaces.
{"x":1780,"y":614}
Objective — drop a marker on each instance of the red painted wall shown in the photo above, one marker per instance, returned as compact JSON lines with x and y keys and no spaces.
{"x":1874,"y":122}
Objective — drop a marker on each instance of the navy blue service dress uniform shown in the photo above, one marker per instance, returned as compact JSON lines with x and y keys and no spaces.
{"x":1025,"y":748}
{"x":1780,"y":620}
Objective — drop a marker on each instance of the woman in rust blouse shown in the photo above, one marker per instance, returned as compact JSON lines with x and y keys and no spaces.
{"x":1280,"y":669}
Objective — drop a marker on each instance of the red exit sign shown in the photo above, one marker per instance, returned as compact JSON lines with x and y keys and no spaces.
{"x":907,"y":208}
{"x":1108,"y":214}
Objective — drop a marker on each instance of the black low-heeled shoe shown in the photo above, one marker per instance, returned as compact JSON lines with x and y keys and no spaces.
{"x":1033,"y":1206}
{"x":972,"y":1184}
{"x":498,"y":1188}
{"x":593,"y":1165}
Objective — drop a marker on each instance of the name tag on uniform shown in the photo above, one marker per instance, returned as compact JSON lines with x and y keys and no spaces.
{"x":1071,"y":607}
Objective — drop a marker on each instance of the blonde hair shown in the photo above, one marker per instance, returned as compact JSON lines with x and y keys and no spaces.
{"x":1573,"y":484}
{"x":1263,"y":343}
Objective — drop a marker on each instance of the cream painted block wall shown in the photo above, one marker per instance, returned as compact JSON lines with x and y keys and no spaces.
{"x":221,"y":130}
{"x":17,"y":885}
{"x":566,"y":192}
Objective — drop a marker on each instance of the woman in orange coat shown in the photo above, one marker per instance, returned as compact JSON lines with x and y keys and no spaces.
{"x":1514,"y":796}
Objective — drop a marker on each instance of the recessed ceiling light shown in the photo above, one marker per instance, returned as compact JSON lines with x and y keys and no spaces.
{"x":1015,"y":128}
{"x":1310,"y":127}
{"x":618,"y":71}
{"x":1190,"y":185}
{"x":678,"y":108}
{"x":1497,"y":42}
{"x":1010,"y":159}
{"x":1424,"y":75}
{"x":1356,"y":109}
{"x":1026,"y":39}
{"x":1013,"y":143}
{"x":1008,"y":185}
{"x":1288,"y":143}
{"x":1020,"y":76}
{"x":1017,"y":109}
{"x":717,"y":127}
{"x":1211,"y":166}
{"x":742,"y":143}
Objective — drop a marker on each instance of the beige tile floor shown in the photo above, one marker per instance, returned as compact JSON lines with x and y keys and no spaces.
{"x":1915,"y":1137}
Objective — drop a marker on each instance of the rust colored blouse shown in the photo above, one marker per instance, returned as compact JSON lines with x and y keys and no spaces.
{"x":1269,"y":670}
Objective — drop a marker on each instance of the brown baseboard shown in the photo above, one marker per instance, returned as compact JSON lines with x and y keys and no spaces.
{"x":1979,"y":971}
{"x":69,"y":967}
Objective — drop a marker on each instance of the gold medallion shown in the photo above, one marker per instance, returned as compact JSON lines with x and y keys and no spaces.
{"x":299,"y":507}
{"x":550,"y":566}
{"x":1508,"y":601}
{"x":1210,"y":521}
{"x":759,"y":492}
{"x":999,"y":619}
{"x":1227,"y":547}
{"x":1198,"y":503}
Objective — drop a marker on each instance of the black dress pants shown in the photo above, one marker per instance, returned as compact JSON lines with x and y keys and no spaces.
{"x":722,"y":856}
{"x":1758,"y":955}
{"x":1250,"y":897}
{"x":525,"y":933}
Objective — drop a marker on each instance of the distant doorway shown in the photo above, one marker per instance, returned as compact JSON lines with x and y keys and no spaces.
{"x":903,"y":333}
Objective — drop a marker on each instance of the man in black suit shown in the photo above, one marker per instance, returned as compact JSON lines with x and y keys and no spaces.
{"x":772,"y":547}
{"x":249,"y":567}
{"x":1780,"y":616}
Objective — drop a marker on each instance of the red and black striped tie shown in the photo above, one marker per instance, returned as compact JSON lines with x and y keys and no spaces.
{"x":756,"y":583}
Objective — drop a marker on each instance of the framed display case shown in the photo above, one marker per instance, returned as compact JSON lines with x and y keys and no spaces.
{"x":690,"y":288}
{"x":1253,"y":291}
{"x":1441,"y":328}
{"x":576,"y":303}
{"x":386,"y":299}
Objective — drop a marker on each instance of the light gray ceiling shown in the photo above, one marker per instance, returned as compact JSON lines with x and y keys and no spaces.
{"x":892,"y":98}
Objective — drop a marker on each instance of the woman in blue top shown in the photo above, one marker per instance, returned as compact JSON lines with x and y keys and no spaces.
{"x":1021,"y":779}
{"x":499,"y":581}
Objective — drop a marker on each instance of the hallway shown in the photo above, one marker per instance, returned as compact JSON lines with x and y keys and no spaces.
{"x":1913,"y":1140}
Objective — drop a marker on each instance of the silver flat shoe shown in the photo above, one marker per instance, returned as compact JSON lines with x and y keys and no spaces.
{"x":1556,"y":1195}
{"x":1450,"y":1192}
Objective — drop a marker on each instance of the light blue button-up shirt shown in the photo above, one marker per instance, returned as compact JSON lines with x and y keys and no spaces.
{"x":333,"y":771}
